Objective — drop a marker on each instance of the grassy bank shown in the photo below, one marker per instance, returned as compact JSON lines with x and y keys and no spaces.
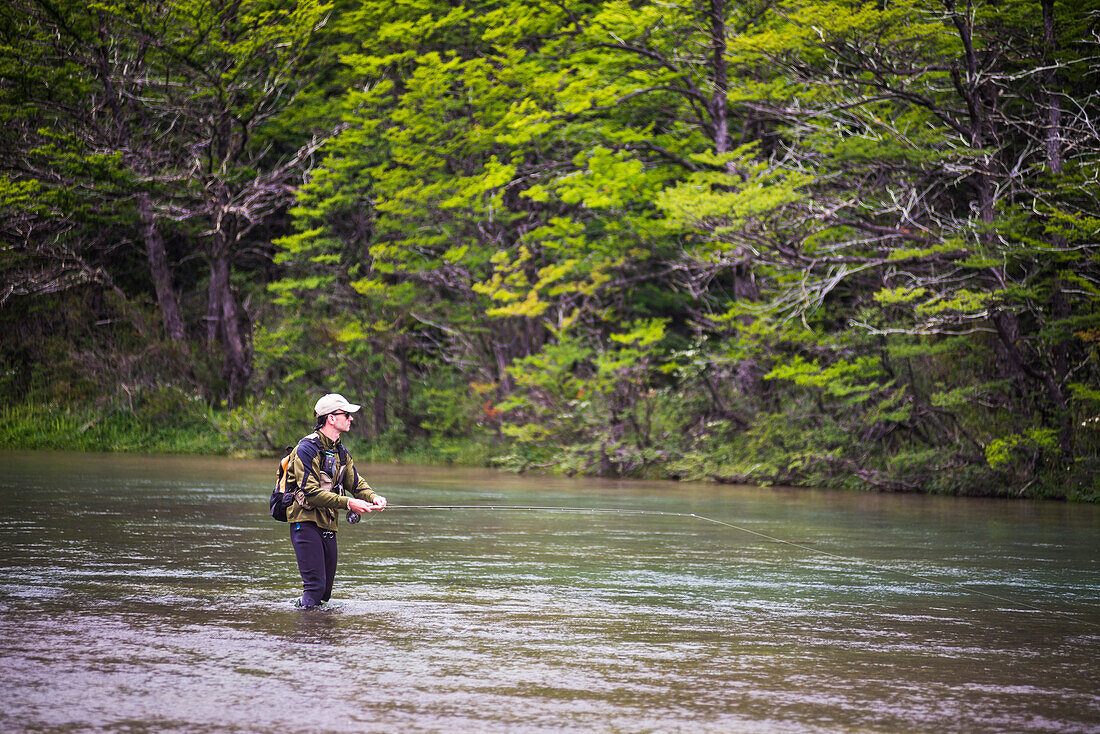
{"x":101,"y":429}
{"x":190,"y":428}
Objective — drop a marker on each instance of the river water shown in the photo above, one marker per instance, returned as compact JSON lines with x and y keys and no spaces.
{"x":154,"y":594}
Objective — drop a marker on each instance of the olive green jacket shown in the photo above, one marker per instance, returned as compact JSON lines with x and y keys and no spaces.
{"x":317,"y":501}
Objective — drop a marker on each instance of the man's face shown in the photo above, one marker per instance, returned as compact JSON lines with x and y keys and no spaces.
{"x":341,"y":420}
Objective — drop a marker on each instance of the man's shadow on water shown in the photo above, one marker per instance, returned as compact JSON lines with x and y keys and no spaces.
{"x":304,"y":626}
{"x":317,"y":627}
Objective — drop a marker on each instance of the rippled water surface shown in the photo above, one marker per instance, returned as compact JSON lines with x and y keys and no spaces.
{"x":154,"y":594}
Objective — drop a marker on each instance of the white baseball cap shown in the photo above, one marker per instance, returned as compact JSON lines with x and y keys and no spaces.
{"x":333,"y":402}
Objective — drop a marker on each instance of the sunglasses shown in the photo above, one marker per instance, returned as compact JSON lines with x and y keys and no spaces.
{"x":341,"y":412}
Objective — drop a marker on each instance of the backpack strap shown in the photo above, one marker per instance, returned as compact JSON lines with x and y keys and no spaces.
{"x":341,"y":478}
{"x":307,"y":450}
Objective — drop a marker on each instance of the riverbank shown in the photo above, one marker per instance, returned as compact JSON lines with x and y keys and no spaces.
{"x":181,"y":425}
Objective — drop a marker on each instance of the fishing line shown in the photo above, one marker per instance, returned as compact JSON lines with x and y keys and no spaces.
{"x":801,"y":546}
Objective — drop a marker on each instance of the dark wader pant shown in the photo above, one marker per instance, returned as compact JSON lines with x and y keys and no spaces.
{"x":316,"y":552}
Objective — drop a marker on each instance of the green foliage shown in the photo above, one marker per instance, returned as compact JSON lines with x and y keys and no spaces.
{"x":1023,"y":451}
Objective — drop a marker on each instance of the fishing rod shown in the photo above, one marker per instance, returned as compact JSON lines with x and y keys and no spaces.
{"x":802,"y":546}
{"x":607,"y":510}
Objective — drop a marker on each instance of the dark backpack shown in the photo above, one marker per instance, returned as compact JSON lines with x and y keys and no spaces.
{"x":280,"y":498}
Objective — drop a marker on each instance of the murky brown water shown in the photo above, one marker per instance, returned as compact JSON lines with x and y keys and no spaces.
{"x":153,"y":594}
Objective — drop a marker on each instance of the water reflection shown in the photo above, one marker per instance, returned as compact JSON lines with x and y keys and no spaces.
{"x":162,"y":601}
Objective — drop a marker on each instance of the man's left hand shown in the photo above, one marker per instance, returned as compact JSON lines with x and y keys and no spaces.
{"x":359,"y":506}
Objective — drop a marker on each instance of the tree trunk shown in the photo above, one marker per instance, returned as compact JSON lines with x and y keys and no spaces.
{"x":1008,"y":332}
{"x":976,"y":95}
{"x":1060,"y":309}
{"x":719,"y":106}
{"x":213,"y":308}
{"x":225,"y":322}
{"x":503,"y":378}
{"x":1060,"y":364}
{"x":1054,"y":107}
{"x":381,"y":421}
{"x":744,"y":283}
{"x":402,"y":354}
{"x":161,"y":273}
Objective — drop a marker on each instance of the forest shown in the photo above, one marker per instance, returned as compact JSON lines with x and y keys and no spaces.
{"x":822,"y":243}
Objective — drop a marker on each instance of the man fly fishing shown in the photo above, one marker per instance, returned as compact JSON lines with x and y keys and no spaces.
{"x":327,"y":484}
